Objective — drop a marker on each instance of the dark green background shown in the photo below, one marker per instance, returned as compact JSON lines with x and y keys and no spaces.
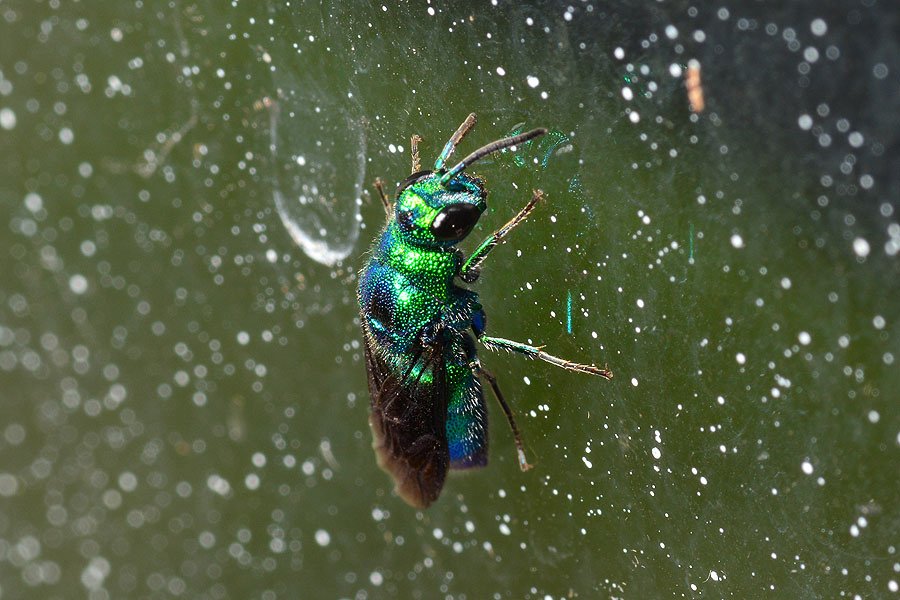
{"x":182,"y":396}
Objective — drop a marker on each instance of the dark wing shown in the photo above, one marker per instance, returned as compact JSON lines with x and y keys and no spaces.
{"x":408,"y":414}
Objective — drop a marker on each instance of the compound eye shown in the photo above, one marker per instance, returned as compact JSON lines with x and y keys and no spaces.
{"x":455,"y":222}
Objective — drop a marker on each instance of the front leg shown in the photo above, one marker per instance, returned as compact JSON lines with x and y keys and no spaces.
{"x":385,"y":201}
{"x":414,"y":150}
{"x":472,"y":267}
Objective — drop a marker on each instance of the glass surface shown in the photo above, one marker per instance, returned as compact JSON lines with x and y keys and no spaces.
{"x":186,"y":202}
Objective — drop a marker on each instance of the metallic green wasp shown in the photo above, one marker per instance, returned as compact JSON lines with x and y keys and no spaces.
{"x":428,"y":413}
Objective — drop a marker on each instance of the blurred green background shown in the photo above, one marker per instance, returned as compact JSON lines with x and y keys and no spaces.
{"x":185,"y":200}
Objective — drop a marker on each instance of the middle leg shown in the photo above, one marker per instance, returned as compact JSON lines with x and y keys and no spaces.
{"x":495,"y":343}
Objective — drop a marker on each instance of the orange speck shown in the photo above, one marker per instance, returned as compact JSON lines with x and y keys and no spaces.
{"x":694,"y":86}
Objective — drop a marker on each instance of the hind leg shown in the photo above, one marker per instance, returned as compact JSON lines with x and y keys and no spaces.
{"x":520,"y":447}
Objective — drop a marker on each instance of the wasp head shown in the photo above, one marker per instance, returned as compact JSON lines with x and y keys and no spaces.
{"x":439,"y":208}
{"x":432,"y":213}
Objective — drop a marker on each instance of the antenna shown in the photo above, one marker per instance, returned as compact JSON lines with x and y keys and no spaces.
{"x":455,"y":139}
{"x":490,"y":149}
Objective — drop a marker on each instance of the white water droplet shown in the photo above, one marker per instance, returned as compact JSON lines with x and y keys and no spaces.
{"x":78,"y":283}
{"x":323,"y":538}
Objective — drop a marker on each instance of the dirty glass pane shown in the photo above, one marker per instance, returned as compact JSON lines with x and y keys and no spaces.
{"x":186,"y":202}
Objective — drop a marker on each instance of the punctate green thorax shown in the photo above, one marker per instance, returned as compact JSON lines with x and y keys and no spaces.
{"x":418,"y":279}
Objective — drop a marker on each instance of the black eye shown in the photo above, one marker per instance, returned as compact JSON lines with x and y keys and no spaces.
{"x":455,"y":222}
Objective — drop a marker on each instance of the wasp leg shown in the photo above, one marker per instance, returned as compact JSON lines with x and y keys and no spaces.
{"x":414,"y":149}
{"x":495,"y":343}
{"x":520,"y":447}
{"x":472,"y":267}
{"x":388,"y":206}
{"x":454,"y":140}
